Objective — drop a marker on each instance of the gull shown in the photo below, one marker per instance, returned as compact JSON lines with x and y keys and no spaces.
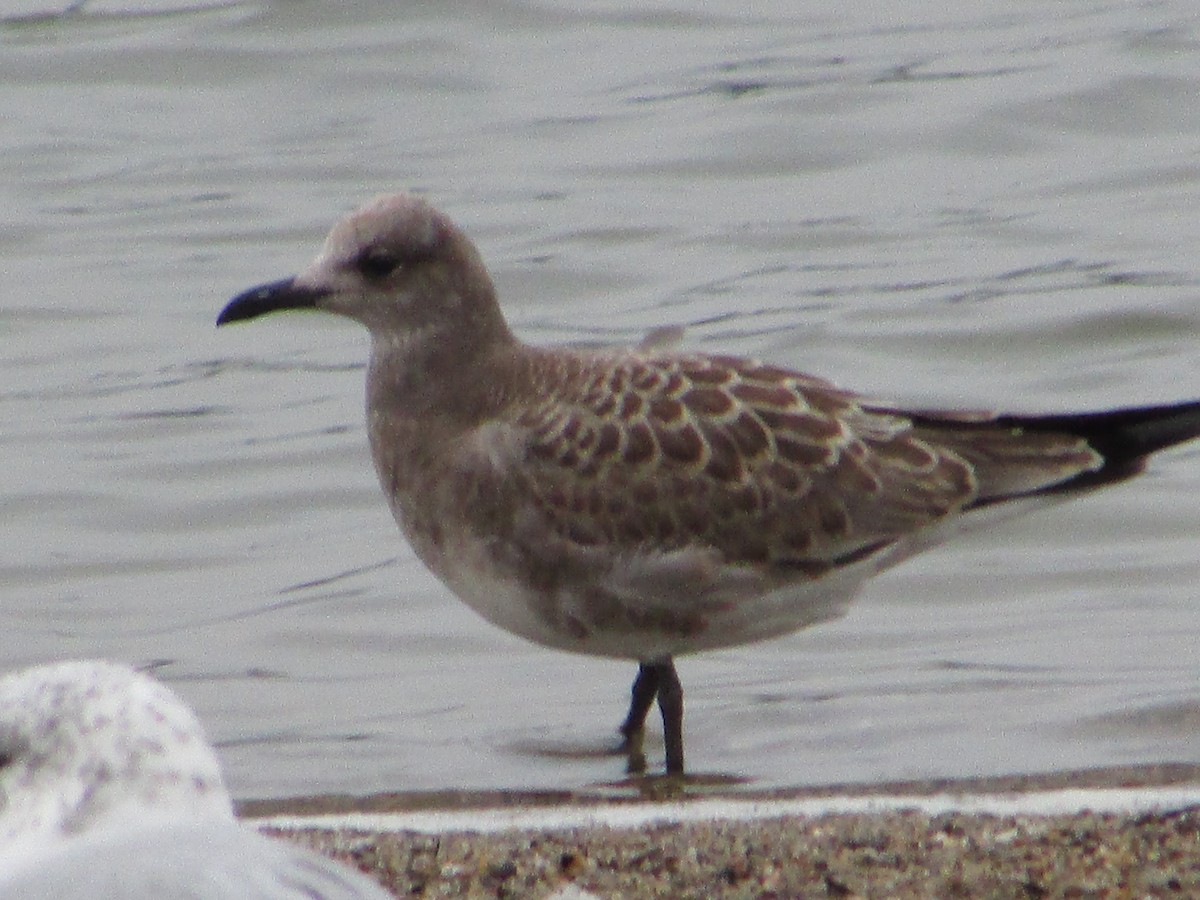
{"x":647,"y":503}
{"x":109,"y":789}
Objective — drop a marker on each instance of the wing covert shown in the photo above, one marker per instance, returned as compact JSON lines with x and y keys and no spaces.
{"x":665,"y":452}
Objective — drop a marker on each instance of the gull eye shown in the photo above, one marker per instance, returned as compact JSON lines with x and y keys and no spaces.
{"x":9,"y":752}
{"x":375,"y":262}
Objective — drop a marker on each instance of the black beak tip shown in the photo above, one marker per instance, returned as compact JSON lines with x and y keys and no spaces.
{"x":265,"y":298}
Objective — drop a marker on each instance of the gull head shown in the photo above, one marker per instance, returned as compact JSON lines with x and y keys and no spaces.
{"x":85,"y":743}
{"x":398,"y":266}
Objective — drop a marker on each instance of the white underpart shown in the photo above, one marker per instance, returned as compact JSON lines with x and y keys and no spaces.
{"x":108,"y":788}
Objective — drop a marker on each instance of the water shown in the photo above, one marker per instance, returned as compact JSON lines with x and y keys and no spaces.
{"x":982,"y":207}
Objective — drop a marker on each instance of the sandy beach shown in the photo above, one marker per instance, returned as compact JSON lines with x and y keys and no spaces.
{"x":1134,"y":833}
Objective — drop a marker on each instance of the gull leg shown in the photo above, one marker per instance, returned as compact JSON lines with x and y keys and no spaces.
{"x":670,"y":704}
{"x":633,"y":730}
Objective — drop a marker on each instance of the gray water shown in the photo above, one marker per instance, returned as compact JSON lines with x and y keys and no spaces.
{"x":988,"y":204}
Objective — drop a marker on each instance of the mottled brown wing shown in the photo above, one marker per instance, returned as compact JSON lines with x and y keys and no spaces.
{"x":666,"y":452}
{"x":1011,"y":456}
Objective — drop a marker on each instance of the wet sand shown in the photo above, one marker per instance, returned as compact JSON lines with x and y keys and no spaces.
{"x":896,"y":853}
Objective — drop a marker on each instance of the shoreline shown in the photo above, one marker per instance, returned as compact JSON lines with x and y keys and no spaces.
{"x":1101,"y":832}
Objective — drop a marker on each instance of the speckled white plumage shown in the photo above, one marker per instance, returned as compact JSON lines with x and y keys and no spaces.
{"x":87,"y":744}
{"x":109,"y":789}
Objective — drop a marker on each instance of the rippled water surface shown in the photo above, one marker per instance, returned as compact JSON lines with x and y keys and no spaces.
{"x":970,"y":204}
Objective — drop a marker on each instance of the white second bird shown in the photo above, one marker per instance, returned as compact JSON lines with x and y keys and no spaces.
{"x":109,"y":790}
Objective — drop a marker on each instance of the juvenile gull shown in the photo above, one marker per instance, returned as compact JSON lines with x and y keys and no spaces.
{"x":108,"y":789}
{"x":648,"y":503}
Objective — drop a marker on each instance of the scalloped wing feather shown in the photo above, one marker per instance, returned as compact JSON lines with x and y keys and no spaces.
{"x":758,"y":463}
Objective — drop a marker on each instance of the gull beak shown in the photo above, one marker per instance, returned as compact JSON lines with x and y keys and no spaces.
{"x":258,"y":301}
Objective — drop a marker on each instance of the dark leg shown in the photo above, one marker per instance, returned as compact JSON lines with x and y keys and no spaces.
{"x":656,"y":680}
{"x":670,"y":703}
{"x":645,"y":689}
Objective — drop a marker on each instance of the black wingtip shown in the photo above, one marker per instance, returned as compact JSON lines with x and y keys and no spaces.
{"x":1123,"y":437}
{"x":266,"y":298}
